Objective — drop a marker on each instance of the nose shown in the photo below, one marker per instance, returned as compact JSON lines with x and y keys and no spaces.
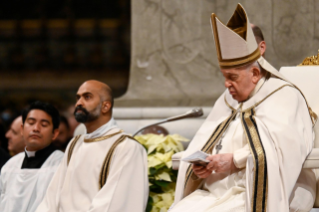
{"x":79,"y":102}
{"x":36,"y":127}
{"x":8,"y":134}
{"x":227,"y":83}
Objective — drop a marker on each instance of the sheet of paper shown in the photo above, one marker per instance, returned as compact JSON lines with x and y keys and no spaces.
{"x":197,"y":157}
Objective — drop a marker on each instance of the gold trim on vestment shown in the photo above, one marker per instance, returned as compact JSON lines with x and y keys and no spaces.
{"x":190,"y":184}
{"x":258,"y":103}
{"x":108,"y":159}
{"x":102,"y":138}
{"x":312,"y":114}
{"x":105,"y":167}
{"x":259,"y":194}
{"x":72,"y":145}
{"x":228,"y":103}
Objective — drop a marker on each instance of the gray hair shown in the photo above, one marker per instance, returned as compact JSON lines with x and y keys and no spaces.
{"x":255,"y":64}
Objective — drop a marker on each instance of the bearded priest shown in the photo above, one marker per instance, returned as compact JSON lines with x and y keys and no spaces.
{"x":103,"y":170}
{"x":258,"y":135}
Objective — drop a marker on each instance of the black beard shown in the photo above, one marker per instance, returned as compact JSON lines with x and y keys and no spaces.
{"x":83,"y":116}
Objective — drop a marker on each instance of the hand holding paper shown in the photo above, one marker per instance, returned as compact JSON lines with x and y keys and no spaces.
{"x":198,"y":158}
{"x":204,"y":164}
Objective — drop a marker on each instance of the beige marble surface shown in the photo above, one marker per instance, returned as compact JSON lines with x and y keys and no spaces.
{"x":173,"y":60}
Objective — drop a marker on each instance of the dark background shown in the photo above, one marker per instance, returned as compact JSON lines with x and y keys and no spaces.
{"x":61,"y":41}
{"x":48,"y":48}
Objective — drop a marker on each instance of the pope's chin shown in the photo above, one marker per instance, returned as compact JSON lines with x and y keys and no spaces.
{"x":237,"y":97}
{"x":234,"y":95}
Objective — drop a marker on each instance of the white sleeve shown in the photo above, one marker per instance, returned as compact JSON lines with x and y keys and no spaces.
{"x":50,"y":201}
{"x":1,"y":188}
{"x":3,"y":184}
{"x":126,"y":188}
{"x":240,"y":156}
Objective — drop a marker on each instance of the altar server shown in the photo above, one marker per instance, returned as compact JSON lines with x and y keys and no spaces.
{"x":104,"y":170}
{"x":25,"y":177}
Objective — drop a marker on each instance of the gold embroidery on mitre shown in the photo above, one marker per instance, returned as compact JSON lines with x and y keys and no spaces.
{"x":239,"y":24}
{"x":260,"y":184}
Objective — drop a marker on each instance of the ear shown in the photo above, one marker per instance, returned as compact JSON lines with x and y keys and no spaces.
{"x":256,"y":75}
{"x":262,"y":47}
{"x":55,"y":134}
{"x":106,"y":106}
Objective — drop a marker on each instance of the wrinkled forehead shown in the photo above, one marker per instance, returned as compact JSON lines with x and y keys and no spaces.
{"x":231,"y":70}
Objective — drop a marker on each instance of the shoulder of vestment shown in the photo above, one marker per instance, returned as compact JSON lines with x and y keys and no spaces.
{"x":269,"y":88}
{"x":15,"y":161}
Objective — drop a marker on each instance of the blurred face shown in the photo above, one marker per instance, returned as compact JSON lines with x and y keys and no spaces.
{"x":88,"y":105}
{"x":63,"y":136}
{"x":15,"y":139}
{"x":38,"y":130}
{"x":239,"y":82}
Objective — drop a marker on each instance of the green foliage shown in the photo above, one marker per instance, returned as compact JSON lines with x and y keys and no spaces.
{"x":162,"y":177}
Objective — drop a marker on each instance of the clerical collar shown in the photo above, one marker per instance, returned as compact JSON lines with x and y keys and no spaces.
{"x":257,"y":88}
{"x":35,"y":159}
{"x":101,"y":130}
{"x":30,"y":154}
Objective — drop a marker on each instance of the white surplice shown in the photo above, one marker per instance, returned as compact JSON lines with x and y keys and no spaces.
{"x":22,"y":190}
{"x":285,"y":130}
{"x":75,"y":186}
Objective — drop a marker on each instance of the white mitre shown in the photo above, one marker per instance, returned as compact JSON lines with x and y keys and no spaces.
{"x":235,"y":43}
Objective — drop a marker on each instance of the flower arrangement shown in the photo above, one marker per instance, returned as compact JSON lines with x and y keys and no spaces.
{"x":162,"y":177}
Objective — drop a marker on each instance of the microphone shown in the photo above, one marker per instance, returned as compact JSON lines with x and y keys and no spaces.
{"x":196,"y":112}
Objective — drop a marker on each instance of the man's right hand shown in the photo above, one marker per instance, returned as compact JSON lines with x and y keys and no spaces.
{"x":220,"y":163}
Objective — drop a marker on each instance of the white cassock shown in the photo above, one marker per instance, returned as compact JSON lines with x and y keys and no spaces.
{"x":274,"y":129}
{"x":22,"y":190}
{"x":91,"y":181}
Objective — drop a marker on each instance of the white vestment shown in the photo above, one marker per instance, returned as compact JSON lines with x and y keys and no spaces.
{"x":278,"y":117}
{"x":22,"y":190}
{"x":75,"y":186}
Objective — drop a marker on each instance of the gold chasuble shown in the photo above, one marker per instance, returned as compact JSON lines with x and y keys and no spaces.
{"x":270,"y":135}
